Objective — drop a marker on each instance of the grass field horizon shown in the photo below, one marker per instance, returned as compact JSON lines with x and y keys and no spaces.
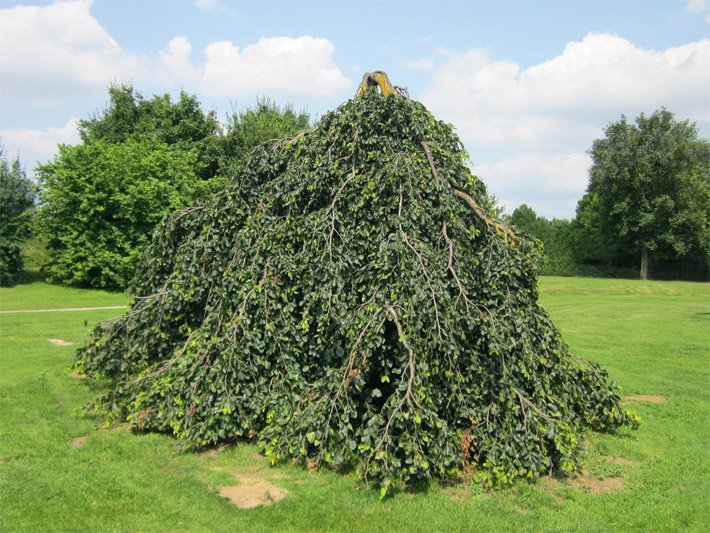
{"x":62,"y":469}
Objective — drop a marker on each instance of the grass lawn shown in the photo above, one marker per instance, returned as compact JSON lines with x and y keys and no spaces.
{"x":61,"y":469}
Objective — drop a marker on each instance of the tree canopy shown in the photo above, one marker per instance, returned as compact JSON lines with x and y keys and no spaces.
{"x":16,"y":206}
{"x":557,"y":237}
{"x":140,"y":159}
{"x":348,"y":301}
{"x":256,"y":125}
{"x":102,"y":200}
{"x":183,"y":123}
{"x":649,"y":189}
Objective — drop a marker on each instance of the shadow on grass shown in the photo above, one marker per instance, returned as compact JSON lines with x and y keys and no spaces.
{"x":33,"y":276}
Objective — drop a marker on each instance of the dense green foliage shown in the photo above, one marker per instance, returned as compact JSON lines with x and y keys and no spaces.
{"x":649,"y":191}
{"x":102,"y":200}
{"x":348,"y":302}
{"x":557,"y":237}
{"x":160,"y":121}
{"x":569,"y":248}
{"x":139,"y":160}
{"x":16,"y":207}
{"x":253,"y":126}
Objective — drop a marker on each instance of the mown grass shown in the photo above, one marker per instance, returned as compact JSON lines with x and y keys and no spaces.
{"x":653,"y":337}
{"x":40,"y":295}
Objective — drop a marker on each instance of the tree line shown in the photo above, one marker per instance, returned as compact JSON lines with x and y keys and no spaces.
{"x":138,"y":160}
{"x":646,"y":209}
{"x":96,"y":203}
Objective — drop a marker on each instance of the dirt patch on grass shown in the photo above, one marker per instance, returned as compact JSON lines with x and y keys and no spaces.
{"x":253,"y":492}
{"x":60,"y":342}
{"x":598,"y":486}
{"x":551,"y":485}
{"x":649,"y":398}
{"x":78,"y":442}
{"x":461,"y":492}
{"x":254,"y":487}
{"x":75,"y":374}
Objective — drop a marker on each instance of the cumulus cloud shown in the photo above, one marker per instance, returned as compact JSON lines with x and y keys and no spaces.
{"x":550,"y":183}
{"x":174,"y":64}
{"x":559,"y":107}
{"x":35,"y":146}
{"x":568,"y":97}
{"x":274,"y":66}
{"x":57,"y":52}
{"x":59,"y":49}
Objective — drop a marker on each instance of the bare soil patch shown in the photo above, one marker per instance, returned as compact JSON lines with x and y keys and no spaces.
{"x":253,"y":492}
{"x":61,"y":342}
{"x":78,"y":442}
{"x":549,"y":486}
{"x":254,"y":487}
{"x":599,"y":486}
{"x":214,"y":452}
{"x":644,"y":398}
{"x":75,"y":374}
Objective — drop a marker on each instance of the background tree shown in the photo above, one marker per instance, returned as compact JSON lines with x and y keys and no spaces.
{"x":101,"y":201}
{"x":183,"y":123}
{"x":255,"y":125}
{"x":139,"y":160}
{"x":16,"y":206}
{"x":649,"y":190}
{"x":556,"y":236}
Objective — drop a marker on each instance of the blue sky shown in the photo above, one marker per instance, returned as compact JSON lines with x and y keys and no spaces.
{"x":527,"y":84}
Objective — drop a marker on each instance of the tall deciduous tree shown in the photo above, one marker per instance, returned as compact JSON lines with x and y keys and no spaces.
{"x":101,"y":201}
{"x":650,"y":185}
{"x":181,"y":123}
{"x":16,"y":202}
{"x":140,"y":159}
{"x":255,"y":125}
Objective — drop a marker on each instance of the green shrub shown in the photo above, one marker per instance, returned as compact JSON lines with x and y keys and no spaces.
{"x":16,"y":208}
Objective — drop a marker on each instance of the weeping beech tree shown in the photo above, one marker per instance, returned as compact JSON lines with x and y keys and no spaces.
{"x":349,"y":301}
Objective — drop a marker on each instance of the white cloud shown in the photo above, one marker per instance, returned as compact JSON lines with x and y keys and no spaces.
{"x":59,"y":49}
{"x":34,"y":146}
{"x":58,"y":52}
{"x":526,"y":118}
{"x":174,"y":64}
{"x":699,"y":7}
{"x":551,"y":184}
{"x":569,"y":98}
{"x":274,"y":66}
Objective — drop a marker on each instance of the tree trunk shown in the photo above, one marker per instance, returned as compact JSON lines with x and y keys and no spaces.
{"x":644,"y":264}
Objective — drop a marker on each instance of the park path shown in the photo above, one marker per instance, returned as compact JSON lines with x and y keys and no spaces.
{"x":63,"y":309}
